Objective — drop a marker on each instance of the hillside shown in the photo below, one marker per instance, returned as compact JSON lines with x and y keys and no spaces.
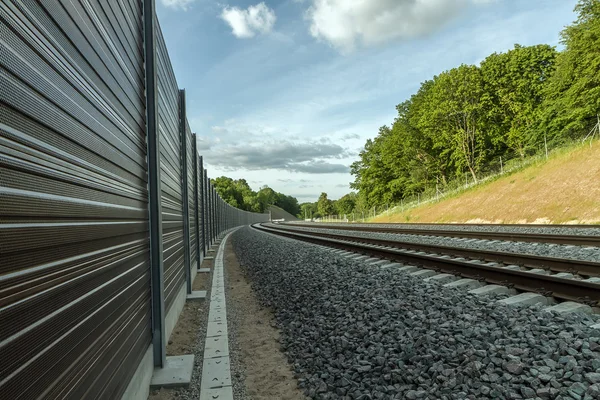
{"x":563,"y":190}
{"x":279,"y":213}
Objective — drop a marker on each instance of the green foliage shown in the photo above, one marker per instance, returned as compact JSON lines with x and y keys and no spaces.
{"x":239,"y":194}
{"x":465,"y":120}
{"x":324,"y":205}
{"x":345,"y":205}
{"x":572,"y":97}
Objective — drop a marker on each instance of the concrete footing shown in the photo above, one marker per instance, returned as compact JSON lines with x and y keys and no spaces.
{"x":525,"y":299}
{"x":177,"y":372}
{"x":424,"y":273}
{"x":465,"y":284}
{"x":492,"y":289}
{"x":569,"y":307}
{"x":442,"y":278}
{"x":203,"y":270}
{"x":209,"y":258}
{"x":196,"y":295}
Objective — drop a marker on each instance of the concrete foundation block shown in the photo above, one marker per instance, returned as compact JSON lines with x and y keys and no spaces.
{"x":209,"y":258}
{"x":465,"y":284}
{"x":196,"y":295}
{"x":569,"y":307}
{"x":177,"y":372}
{"x":442,"y":278}
{"x":525,"y":299}
{"x":424,"y":273}
{"x":492,"y":289}
{"x":408,"y":269}
{"x":203,"y":270}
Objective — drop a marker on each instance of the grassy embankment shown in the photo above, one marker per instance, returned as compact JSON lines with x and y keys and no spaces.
{"x":565,"y":189}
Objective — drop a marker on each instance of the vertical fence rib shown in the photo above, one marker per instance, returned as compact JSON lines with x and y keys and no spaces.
{"x":184,"y":191}
{"x":154,"y":191}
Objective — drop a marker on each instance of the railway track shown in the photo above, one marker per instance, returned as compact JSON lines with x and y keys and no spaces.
{"x":564,"y":279}
{"x":449,"y":230}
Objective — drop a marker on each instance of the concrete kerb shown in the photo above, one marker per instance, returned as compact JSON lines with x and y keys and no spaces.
{"x":216,"y":374}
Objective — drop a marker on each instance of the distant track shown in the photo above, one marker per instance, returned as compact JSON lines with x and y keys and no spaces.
{"x":477,"y":264}
{"x":575,"y":240}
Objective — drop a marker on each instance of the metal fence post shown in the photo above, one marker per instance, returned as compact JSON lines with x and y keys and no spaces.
{"x":185,"y":204}
{"x":207,"y":239}
{"x":202,"y":206}
{"x":196,"y":205}
{"x":154,"y":191}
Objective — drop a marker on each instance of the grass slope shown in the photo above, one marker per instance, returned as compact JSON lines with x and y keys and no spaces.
{"x":563,"y":190}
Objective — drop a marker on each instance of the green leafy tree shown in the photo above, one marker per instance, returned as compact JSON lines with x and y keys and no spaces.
{"x":345,"y":205}
{"x":324,"y":205}
{"x":573,"y":94}
{"x":515,"y":82}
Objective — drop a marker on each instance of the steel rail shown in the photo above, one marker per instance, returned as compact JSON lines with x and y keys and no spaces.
{"x":580,"y":267}
{"x":575,"y":240}
{"x":561,"y":288}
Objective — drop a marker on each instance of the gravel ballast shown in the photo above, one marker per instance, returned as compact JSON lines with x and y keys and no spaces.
{"x":356,"y":332}
{"x":585,"y":253}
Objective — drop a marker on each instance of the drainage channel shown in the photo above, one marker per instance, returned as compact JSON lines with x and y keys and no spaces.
{"x":216,"y":372}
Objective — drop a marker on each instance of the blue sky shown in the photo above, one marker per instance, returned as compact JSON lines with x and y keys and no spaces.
{"x":285,"y":93}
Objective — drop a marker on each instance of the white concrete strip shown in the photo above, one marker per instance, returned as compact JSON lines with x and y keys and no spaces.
{"x":216,"y":374}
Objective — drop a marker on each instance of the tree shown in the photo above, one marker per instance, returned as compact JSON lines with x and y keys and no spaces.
{"x":573,"y":94}
{"x":345,"y":205}
{"x":324,"y":205}
{"x":514,"y":85}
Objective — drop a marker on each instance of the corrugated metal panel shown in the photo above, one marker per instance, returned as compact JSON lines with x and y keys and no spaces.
{"x":74,"y":278}
{"x":190,"y":180}
{"x":170,"y":170}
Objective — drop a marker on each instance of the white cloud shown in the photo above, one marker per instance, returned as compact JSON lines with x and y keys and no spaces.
{"x":347,"y":23}
{"x":182,"y":4}
{"x":247,"y":23}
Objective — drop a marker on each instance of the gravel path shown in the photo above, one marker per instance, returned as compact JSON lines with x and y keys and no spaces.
{"x":354,"y":332}
{"x":587,"y":253}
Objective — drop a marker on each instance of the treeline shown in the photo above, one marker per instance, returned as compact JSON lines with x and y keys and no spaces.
{"x":239,"y":194}
{"x":465,"y":122}
{"x":325,"y":207}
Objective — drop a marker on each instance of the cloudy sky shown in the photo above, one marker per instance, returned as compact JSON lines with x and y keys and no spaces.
{"x":286,"y":92}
